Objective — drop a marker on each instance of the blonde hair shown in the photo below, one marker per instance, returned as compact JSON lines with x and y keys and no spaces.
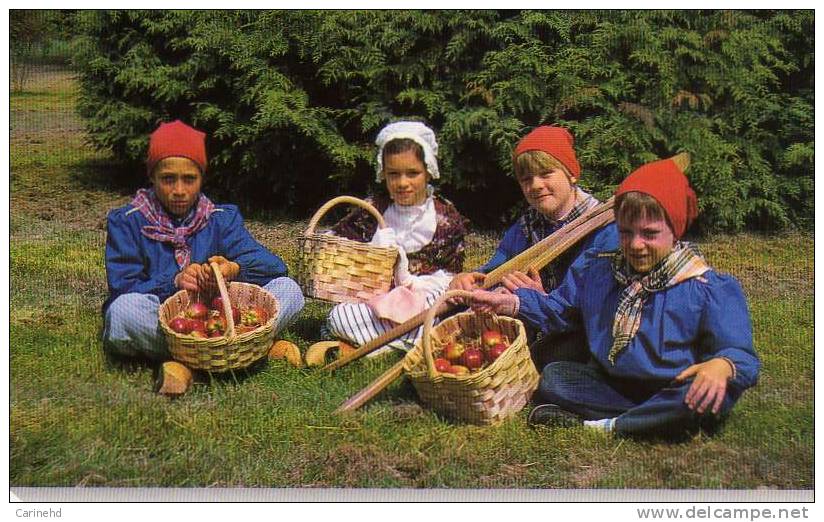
{"x":534,"y":162}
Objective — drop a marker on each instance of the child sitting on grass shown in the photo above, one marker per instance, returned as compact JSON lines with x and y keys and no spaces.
{"x":670,"y":339}
{"x":163,"y":240}
{"x":548,"y":173}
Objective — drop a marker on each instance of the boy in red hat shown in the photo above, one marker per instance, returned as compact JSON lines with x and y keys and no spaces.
{"x":547,"y":172}
{"x":163,"y":239}
{"x":670,"y":338}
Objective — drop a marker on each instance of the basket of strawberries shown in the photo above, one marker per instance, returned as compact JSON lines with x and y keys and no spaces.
{"x":472,"y":367}
{"x":237,"y":330}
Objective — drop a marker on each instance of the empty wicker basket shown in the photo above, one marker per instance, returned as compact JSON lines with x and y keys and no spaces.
{"x":487,"y":396}
{"x":231,"y":351}
{"x":341,"y":270}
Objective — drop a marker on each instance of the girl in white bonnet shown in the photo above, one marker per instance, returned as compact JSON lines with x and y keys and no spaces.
{"x":426,"y":228}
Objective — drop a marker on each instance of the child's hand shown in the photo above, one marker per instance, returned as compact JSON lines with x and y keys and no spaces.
{"x":501,"y":303}
{"x":190,"y":278}
{"x":518,"y":279}
{"x":228,"y":269}
{"x":709,"y":386}
{"x":467,"y":281}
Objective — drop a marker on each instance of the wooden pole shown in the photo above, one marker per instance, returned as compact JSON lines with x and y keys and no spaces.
{"x":359,"y":399}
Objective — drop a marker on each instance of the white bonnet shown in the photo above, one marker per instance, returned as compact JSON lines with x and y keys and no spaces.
{"x":415,"y":131}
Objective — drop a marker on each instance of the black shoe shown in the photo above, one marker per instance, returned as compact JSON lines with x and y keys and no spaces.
{"x":553,"y":415}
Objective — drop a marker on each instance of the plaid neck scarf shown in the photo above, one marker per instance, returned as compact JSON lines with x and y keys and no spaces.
{"x":538,"y":227}
{"x":684,"y":262}
{"x":161,"y":227}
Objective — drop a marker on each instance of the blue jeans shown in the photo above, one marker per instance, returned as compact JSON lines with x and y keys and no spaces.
{"x":639,"y":406}
{"x":131,"y":326}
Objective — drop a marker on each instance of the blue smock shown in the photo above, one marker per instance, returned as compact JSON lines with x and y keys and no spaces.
{"x":692,"y":322}
{"x":135,"y":263}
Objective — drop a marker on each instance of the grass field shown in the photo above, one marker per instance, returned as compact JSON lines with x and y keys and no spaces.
{"x":79,"y":418}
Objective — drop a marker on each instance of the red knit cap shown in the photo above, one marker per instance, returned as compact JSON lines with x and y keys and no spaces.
{"x":176,"y":139}
{"x":555,"y":141}
{"x":665,"y":182}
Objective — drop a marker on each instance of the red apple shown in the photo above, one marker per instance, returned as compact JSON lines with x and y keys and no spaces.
{"x":199,"y":334}
{"x":236,"y":315}
{"x":491,"y":337}
{"x":457,"y":369}
{"x":197,"y":324}
{"x":442,"y":365}
{"x":217,"y":303}
{"x":496,"y":351}
{"x":216,"y":333}
{"x":180,"y":325}
{"x":254,"y":316}
{"x":453,"y":351}
{"x":215,"y":324}
{"x":261,"y":314}
{"x":197,"y":311}
{"x":473,"y":358}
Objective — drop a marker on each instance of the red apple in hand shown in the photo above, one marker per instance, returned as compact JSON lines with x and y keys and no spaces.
{"x":496,"y":351}
{"x":473,"y":358}
{"x":453,"y":351}
{"x":197,"y":311}
{"x":180,"y":325}
{"x":491,"y":337}
{"x":442,"y":365}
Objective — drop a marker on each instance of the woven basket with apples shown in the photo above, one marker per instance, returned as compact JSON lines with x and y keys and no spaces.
{"x":472,"y":367}
{"x":235,"y":332}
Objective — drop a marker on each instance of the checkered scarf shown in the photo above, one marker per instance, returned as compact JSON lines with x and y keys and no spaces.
{"x":161,"y":227}
{"x":538,"y":227}
{"x":684,"y":262}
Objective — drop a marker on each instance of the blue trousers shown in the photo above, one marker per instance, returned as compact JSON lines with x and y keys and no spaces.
{"x":131,"y":326}
{"x":639,"y":406}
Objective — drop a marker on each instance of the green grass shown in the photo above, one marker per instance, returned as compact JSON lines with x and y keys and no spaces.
{"x":80,"y":418}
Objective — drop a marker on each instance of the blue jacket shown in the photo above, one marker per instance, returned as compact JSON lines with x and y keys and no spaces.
{"x":691,"y":322}
{"x":135,"y":263}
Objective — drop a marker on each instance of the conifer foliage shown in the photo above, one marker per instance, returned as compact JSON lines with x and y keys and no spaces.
{"x":292,"y":100}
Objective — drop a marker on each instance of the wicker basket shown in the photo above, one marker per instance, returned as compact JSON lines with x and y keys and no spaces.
{"x":340,"y":270}
{"x":485,"y":397}
{"x":232,"y":351}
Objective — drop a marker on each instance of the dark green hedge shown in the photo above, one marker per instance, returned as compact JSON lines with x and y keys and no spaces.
{"x":292,"y":100}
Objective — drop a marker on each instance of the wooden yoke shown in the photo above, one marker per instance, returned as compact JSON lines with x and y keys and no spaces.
{"x":537,"y":256}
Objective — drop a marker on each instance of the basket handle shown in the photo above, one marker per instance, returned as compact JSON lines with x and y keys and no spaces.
{"x":344,"y":199}
{"x":227,"y":306}
{"x":428,"y":320}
